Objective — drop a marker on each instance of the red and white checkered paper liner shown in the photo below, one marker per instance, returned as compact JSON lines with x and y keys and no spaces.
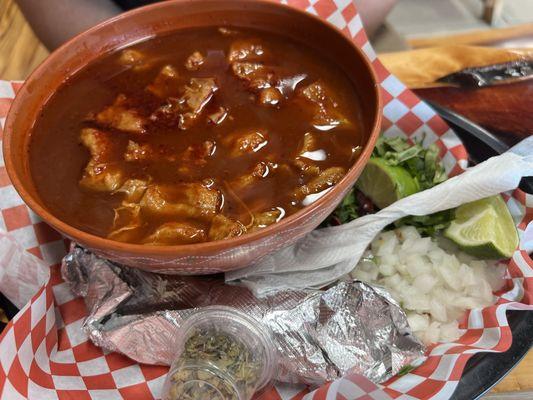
{"x":45,"y":355}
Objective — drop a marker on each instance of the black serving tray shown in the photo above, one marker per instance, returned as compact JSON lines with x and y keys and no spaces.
{"x":483,"y":370}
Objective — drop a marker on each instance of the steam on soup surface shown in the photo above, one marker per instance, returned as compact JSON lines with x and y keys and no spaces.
{"x":200,"y":135}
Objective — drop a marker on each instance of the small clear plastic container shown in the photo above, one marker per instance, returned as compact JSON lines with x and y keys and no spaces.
{"x":222,"y":354}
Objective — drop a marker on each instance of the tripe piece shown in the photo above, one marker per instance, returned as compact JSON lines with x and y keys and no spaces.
{"x":101,"y":174}
{"x":176,"y":232}
{"x":223,"y":227}
{"x":186,"y":200}
{"x":119,"y":116}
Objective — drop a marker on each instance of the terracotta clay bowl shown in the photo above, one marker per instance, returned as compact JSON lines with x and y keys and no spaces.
{"x":165,"y":17}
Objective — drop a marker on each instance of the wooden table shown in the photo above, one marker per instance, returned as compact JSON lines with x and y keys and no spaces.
{"x":504,"y":110}
{"x":510,"y":117}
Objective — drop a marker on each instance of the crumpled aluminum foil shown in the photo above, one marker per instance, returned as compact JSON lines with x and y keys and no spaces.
{"x":320,"y":335}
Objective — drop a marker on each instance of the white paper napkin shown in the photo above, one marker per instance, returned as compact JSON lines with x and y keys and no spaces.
{"x":21,"y":273}
{"x":325,"y":255}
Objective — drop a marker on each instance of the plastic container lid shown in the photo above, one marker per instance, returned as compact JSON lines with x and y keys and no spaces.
{"x":222,"y":354}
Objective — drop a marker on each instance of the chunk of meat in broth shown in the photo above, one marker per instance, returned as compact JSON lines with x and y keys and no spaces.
{"x":187,"y":108}
{"x":218,"y":116}
{"x":323,"y":181}
{"x":256,"y":75}
{"x":133,"y":190}
{"x":135,"y":60}
{"x":176,"y":232}
{"x":165,"y":83}
{"x":101,"y":173}
{"x":120,"y":117}
{"x":223,"y":227}
{"x":247,"y":141}
{"x":138,"y":152}
{"x":102,"y":178}
{"x":246,"y":50}
{"x":100,"y":144}
{"x":308,"y":154}
{"x":127,"y":224}
{"x":260,"y":171}
{"x":266,"y":218}
{"x":197,"y":94}
{"x":325,"y":108}
{"x":247,"y":59}
{"x":147,"y":152}
{"x":185,"y":200}
{"x":326,"y":179}
{"x":194,"y":61}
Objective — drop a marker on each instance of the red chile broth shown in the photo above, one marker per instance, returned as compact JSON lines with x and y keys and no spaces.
{"x":199,"y":135}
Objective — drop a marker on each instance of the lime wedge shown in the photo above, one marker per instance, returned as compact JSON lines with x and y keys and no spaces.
{"x":384,"y":184}
{"x":484,"y":228}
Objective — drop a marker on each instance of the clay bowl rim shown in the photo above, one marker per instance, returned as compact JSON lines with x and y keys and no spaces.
{"x":186,"y":249}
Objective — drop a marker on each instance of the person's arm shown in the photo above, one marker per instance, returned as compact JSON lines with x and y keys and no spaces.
{"x":373,"y":13}
{"x":56,"y":21}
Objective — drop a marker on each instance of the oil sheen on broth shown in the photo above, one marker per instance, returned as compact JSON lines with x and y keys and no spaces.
{"x":200,"y":135}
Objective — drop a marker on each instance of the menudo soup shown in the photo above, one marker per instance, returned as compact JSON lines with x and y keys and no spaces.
{"x":200,"y":135}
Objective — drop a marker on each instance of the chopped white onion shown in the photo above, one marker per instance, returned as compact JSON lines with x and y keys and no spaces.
{"x":431,"y":279}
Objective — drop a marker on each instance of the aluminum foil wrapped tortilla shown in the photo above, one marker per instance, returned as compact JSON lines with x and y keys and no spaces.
{"x":320,"y":335}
